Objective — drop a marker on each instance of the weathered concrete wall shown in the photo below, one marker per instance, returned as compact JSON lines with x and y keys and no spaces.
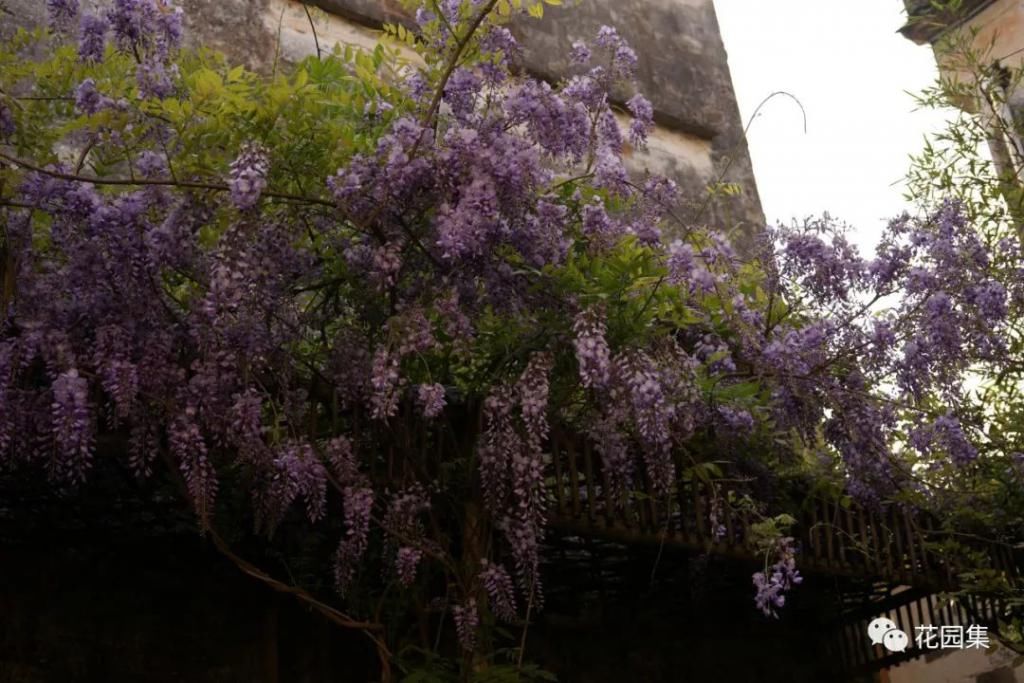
{"x":999,"y":30}
{"x":683,"y":69}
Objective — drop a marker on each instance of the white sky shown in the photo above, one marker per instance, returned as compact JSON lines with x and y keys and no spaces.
{"x":844,"y":60}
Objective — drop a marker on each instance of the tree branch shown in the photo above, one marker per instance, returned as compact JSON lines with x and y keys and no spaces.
{"x":453,"y":62}
{"x":166,"y":182}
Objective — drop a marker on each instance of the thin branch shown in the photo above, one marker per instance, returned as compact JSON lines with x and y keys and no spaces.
{"x":17,"y":204}
{"x":84,"y":155}
{"x":746,"y":129}
{"x":316,"y":40}
{"x":526,"y":627}
{"x":166,"y":182}
{"x":277,"y":47}
{"x":440,"y":15}
{"x":41,"y":98}
{"x":563,"y":183}
{"x":332,"y":613}
{"x":435,"y":104}
{"x":453,"y":62}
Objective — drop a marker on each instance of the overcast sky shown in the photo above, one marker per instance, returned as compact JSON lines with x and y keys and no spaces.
{"x":851,"y":70}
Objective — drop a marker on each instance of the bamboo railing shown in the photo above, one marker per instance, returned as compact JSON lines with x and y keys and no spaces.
{"x":890,"y":543}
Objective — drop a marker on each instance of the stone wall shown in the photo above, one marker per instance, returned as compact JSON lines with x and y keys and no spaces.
{"x":683,"y":69}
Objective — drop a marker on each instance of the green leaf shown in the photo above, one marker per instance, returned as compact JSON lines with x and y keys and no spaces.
{"x":208,"y":83}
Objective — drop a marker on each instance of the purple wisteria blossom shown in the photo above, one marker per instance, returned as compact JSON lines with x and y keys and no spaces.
{"x":357,"y":509}
{"x":773,"y":584}
{"x":61,"y":13}
{"x":612,"y":447}
{"x":142,"y":27}
{"x":580,"y":53}
{"x":643,"y":119}
{"x":88,"y":99}
{"x":653,"y":413}
{"x":738,"y":420}
{"x":156,"y":79}
{"x":295,"y":472}
{"x":7,"y":126}
{"x":592,"y":351}
{"x":467,"y":621}
{"x":189,"y":447}
{"x":406,"y":561}
{"x":498,"y":445}
{"x":92,"y":38}
{"x":716,"y":516}
{"x":248,"y":177}
{"x":945,"y":434}
{"x":624,"y":59}
{"x":386,"y":382}
{"x":72,"y":427}
{"x":431,"y":399}
{"x":152,"y":164}
{"x":500,"y":590}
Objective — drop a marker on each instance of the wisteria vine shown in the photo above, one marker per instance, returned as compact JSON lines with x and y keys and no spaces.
{"x":278,"y":277}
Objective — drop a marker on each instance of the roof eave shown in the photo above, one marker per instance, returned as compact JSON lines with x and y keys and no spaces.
{"x":926,"y":25}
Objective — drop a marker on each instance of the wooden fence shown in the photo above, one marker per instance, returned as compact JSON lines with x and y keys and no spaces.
{"x":890,"y":543}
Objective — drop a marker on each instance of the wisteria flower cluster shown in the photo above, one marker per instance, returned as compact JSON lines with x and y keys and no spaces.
{"x":773,"y":584}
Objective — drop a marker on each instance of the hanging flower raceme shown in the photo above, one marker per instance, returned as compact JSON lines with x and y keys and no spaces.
{"x":189,"y":447}
{"x":248,"y":176}
{"x":62,"y":13}
{"x":643,"y":119}
{"x":92,"y":39}
{"x":773,"y":585}
{"x":500,"y":591}
{"x":72,"y":427}
{"x":357,"y":510}
{"x":652,"y":412}
{"x":592,"y":351}
{"x":295,"y":472}
{"x":467,"y":621}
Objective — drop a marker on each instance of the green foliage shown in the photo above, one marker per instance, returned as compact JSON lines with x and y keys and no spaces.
{"x":766,"y":533}
{"x":311,"y":121}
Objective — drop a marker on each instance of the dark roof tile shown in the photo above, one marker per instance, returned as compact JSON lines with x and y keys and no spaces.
{"x":926,"y":24}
